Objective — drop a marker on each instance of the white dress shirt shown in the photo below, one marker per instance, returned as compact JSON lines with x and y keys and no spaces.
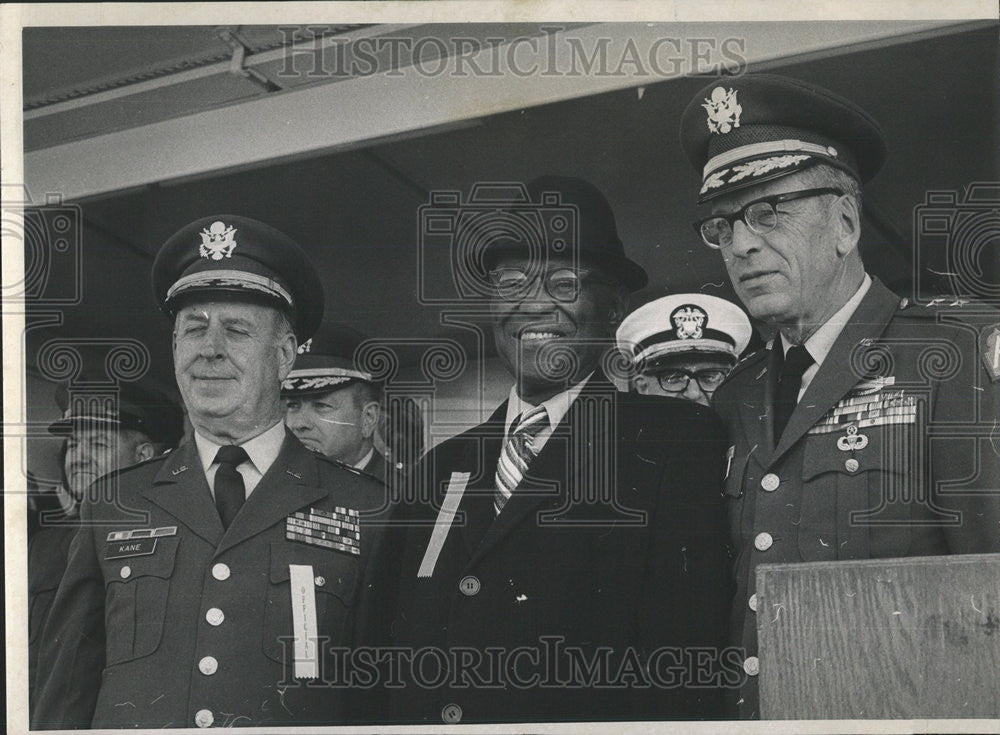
{"x":263,"y":449}
{"x":556,"y":408}
{"x":821,"y":341}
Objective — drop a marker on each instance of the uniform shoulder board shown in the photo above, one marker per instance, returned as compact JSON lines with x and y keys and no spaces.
{"x":137,"y":465}
{"x":341,"y":465}
{"x":752,"y":359}
{"x":950,"y":306}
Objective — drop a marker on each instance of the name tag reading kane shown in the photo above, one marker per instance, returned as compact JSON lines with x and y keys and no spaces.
{"x":338,"y":529}
{"x":137,"y":542}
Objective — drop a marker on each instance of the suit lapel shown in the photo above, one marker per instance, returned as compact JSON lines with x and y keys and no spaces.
{"x":483,"y":452}
{"x":549,"y":473}
{"x":180,"y":488}
{"x":837,"y":375}
{"x":291,"y":483}
{"x":754,"y":404}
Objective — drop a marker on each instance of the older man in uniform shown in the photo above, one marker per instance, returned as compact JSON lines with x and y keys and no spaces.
{"x":684,"y":345}
{"x":206,"y":586}
{"x":831,"y":425}
{"x":100,"y":437}
{"x":566,"y":558}
{"x":332,"y":406}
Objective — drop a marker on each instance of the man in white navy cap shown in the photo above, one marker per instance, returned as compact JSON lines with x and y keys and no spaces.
{"x":205,"y":586}
{"x":833,"y":455}
{"x":684,"y":345}
{"x":331,"y":405}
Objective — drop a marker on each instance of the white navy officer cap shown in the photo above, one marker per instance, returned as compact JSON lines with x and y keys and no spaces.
{"x":684,"y":324}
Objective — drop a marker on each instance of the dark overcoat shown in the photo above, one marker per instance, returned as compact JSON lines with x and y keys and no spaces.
{"x":588,"y":596}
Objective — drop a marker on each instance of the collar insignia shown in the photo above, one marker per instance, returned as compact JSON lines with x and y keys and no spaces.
{"x":217,"y":241}
{"x":723,"y":110}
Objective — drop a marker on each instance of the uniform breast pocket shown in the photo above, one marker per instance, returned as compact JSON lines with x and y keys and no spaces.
{"x":136,"y":590}
{"x":859,"y":491}
{"x":335,"y":582}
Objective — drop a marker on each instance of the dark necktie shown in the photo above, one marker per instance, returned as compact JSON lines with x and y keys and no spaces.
{"x":230,"y":492}
{"x":795,"y":363}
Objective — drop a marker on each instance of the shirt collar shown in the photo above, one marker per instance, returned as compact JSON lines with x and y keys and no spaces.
{"x":263,"y":449}
{"x":821,"y":341}
{"x":67,"y":503}
{"x":360,"y":465}
{"x":556,"y":407}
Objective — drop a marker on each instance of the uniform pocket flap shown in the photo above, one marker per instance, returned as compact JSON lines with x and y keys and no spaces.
{"x":833,"y":452}
{"x":335,"y":573}
{"x":134,"y":560}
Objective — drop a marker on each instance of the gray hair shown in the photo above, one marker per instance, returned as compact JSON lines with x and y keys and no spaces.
{"x":824,"y":174}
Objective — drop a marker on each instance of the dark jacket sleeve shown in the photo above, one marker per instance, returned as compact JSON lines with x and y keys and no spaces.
{"x":71,"y":657}
{"x":689,"y":591}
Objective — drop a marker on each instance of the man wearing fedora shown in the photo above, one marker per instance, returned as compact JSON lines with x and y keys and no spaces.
{"x":331,"y":405}
{"x":206,"y":587}
{"x":100,"y":437}
{"x":684,"y":345}
{"x":832,"y":452}
{"x":566,"y":559}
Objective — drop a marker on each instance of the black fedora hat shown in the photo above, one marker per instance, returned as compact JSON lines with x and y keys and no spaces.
{"x":591,"y":233}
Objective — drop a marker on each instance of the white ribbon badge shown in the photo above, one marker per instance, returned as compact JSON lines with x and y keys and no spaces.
{"x":449,"y":507}
{"x":303,"y":588}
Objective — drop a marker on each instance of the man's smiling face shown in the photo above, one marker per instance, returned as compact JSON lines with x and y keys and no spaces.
{"x":546,"y":342}
{"x":229,"y":361}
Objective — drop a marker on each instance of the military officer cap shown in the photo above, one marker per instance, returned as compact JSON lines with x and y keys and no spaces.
{"x":227,"y":256}
{"x":683,"y":324}
{"x":139,"y":407}
{"x":326,"y":362}
{"x":579,"y":205}
{"x":744,"y":131}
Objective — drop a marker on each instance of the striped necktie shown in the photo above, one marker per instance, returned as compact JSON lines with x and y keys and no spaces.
{"x":517,"y":454}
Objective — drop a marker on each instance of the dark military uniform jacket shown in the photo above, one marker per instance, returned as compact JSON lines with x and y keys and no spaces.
{"x":194,"y":626}
{"x":610,"y":556}
{"x":376,"y":466}
{"x":48,"y":550}
{"x":888,"y":453}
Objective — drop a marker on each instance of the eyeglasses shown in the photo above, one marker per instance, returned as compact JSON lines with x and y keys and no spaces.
{"x":562,"y":284}
{"x":759,"y":215}
{"x":677,"y":381}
